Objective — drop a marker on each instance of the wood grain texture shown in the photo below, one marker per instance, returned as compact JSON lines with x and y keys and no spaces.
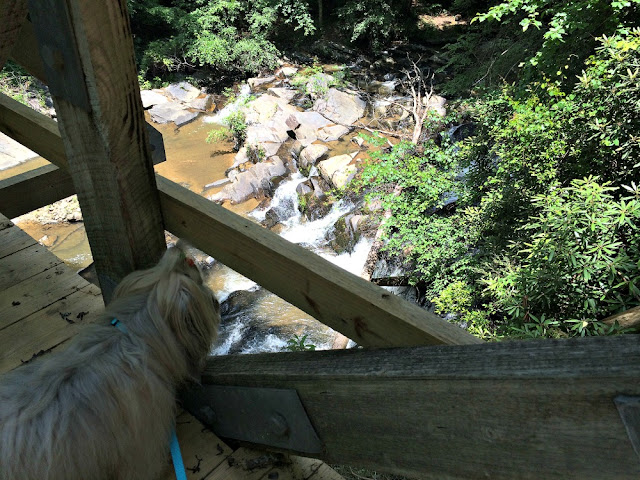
{"x":13,"y":14}
{"x":12,"y":240}
{"x":526,"y":410}
{"x":33,"y":130}
{"x":107,"y":146}
{"x":366,"y":313}
{"x":48,"y":327}
{"x":34,"y":189}
{"x":21,"y":265}
{"x":20,"y":300}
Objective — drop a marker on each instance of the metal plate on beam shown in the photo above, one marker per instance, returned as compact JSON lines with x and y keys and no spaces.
{"x":629,"y":410}
{"x":158,"y":155}
{"x":266,"y":416}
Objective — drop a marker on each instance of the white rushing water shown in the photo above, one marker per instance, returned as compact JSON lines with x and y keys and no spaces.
{"x":259,"y":326}
{"x":221,"y":115}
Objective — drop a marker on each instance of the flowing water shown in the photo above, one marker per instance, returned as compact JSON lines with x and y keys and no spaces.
{"x":256,"y":320}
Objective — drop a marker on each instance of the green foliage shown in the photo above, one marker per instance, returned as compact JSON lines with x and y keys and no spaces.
{"x":560,"y":24}
{"x":21,"y":86}
{"x":235,"y":128}
{"x":313,"y":81}
{"x":299,"y":344}
{"x":228,"y":35}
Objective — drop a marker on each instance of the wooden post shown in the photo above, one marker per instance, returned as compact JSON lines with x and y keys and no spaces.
{"x":87,"y":51}
{"x":13,"y":14}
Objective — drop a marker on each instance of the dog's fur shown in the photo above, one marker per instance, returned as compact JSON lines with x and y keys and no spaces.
{"x":103,"y":408}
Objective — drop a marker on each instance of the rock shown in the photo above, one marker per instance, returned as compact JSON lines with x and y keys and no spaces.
{"x":358,"y":140}
{"x":185,"y":118}
{"x":12,"y":153}
{"x":266,"y":107}
{"x":256,"y":82}
{"x":167,"y":112}
{"x":436,"y":103}
{"x":318,"y":189}
{"x":288,"y":71}
{"x":203,"y":104}
{"x":285,"y":93}
{"x":292,"y":122}
{"x":151,"y":98}
{"x":304,"y":188}
{"x":218,"y":183}
{"x":382,"y":88}
{"x":183,"y":92}
{"x":340,"y":107}
{"x":313,"y":120}
{"x":458,"y":133}
{"x":296,"y":148}
{"x":310,"y":155}
{"x":343,"y":238}
{"x":332,"y":133}
{"x":337,"y":170}
{"x":253,"y":182}
{"x":271,"y":219}
{"x":318,"y":84}
{"x":257,"y":134}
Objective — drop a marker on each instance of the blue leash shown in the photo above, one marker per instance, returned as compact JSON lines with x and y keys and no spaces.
{"x":176,"y":456}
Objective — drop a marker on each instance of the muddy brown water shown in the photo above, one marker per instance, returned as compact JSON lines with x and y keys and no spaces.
{"x":193,"y":163}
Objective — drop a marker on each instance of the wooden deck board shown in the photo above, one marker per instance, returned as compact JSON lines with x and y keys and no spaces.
{"x":42,"y":305}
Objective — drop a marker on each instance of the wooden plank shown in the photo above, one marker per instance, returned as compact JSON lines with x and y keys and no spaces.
{"x":243,"y":464}
{"x":21,"y":265}
{"x":366,"y":313}
{"x":12,"y":240}
{"x":48,"y":327}
{"x":13,"y":14}
{"x":202,"y":451}
{"x":525,"y":410}
{"x":34,"y":189}
{"x":32,"y":129}
{"x":103,"y":132}
{"x":40,"y":291}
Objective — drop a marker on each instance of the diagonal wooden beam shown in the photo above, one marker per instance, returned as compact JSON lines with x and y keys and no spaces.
{"x":362,"y":311}
{"x":87,"y":52}
{"x":34,"y":189}
{"x":525,"y":410}
{"x":13,"y":15}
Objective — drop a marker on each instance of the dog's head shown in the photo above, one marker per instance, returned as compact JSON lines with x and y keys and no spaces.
{"x":174,"y":301}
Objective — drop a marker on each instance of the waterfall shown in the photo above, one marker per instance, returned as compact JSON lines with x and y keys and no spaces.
{"x":265,"y":322}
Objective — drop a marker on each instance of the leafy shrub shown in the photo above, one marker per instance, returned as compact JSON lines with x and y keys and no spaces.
{"x":299,"y":344}
{"x":581,"y":262}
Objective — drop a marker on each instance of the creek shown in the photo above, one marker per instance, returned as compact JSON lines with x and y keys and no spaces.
{"x":255,"y":320}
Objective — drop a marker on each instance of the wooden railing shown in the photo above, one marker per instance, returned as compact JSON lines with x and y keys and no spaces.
{"x":513,"y":410}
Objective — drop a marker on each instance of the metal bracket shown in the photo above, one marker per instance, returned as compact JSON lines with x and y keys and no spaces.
{"x":267,"y":416}
{"x":629,"y":410}
{"x":158,"y":155}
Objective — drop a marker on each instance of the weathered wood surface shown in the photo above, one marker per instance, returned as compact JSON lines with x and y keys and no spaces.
{"x":34,"y":189}
{"x":42,"y":302}
{"x":13,"y":14}
{"x":104,"y":134}
{"x":33,"y":130}
{"x":361,"y":311}
{"x":526,"y":410}
{"x":366,"y":313}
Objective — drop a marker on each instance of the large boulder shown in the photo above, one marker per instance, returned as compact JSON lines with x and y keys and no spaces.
{"x":260,"y":133}
{"x":151,"y":98}
{"x":204,"y":103}
{"x":253,"y":182}
{"x":171,"y":112}
{"x":340,"y":107}
{"x":310,"y":155}
{"x":285,"y":93}
{"x":332,"y":133}
{"x":318,"y":84}
{"x":436,"y":104}
{"x":183,"y":91}
{"x":258,"y":81}
{"x":338,"y":170}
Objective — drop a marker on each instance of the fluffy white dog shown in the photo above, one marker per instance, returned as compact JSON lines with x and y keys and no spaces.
{"x":103,"y":408}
